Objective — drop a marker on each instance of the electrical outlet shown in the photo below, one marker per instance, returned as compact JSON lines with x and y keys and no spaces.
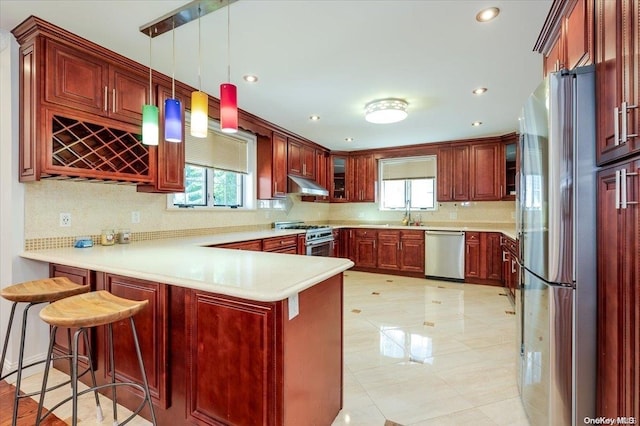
{"x":135,"y":217}
{"x":65,"y":219}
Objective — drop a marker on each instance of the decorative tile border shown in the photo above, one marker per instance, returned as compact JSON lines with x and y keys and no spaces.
{"x":63,"y":242}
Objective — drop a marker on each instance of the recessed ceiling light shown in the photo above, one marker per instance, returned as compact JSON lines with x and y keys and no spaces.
{"x":479,"y":90}
{"x":348,"y":139}
{"x":476,"y":123}
{"x":250,"y":78}
{"x":487,"y":14}
{"x":314,"y":117}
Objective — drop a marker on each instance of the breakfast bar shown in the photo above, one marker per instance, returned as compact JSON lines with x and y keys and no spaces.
{"x":229,"y":336}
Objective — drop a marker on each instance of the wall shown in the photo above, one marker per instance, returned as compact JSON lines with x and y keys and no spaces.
{"x":13,"y":269}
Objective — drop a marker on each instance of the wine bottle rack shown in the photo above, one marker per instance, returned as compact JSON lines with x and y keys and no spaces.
{"x":110,"y":153}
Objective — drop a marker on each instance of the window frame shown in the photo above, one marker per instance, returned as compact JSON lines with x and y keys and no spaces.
{"x":407,"y":185}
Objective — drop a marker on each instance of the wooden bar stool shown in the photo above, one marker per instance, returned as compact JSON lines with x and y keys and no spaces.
{"x":90,"y":310}
{"x":33,"y":293}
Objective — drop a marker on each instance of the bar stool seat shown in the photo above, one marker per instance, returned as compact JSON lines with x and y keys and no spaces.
{"x":32,"y":293}
{"x":90,"y":310}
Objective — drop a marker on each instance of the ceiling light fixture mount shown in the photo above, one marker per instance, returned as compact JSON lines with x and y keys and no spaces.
{"x":183,"y":15}
{"x":385,"y":111}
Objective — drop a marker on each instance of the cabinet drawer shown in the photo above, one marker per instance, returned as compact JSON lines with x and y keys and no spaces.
{"x":365,"y":233}
{"x":509,"y":244}
{"x":254,"y":245}
{"x":278,"y":243}
{"x":412,"y":235}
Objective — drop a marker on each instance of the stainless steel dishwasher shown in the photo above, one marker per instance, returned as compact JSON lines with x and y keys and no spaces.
{"x":444,"y":255}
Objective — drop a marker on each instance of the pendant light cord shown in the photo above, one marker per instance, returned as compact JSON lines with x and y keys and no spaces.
{"x":228,"y":42}
{"x":173,"y":71}
{"x":150,"y":85}
{"x":199,"y":50}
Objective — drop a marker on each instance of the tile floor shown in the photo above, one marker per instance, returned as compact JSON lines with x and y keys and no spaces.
{"x":423,"y":352}
{"x":417,"y":352}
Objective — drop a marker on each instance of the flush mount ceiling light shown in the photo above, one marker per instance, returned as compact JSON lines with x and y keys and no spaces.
{"x":487,"y":14}
{"x":386,"y":111}
{"x":479,"y":90}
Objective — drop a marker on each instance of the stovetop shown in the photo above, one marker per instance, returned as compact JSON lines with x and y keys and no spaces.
{"x":313,"y":231}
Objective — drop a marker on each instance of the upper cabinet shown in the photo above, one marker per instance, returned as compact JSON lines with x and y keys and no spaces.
{"x":363,"y":177}
{"x":272,"y":166}
{"x":302,"y":159}
{"x":566,"y":40}
{"x":617,"y":75}
{"x":471,"y":172}
{"x":78,"y":80}
{"x":340,"y":179}
{"x":80,"y":108}
{"x":510,"y":156}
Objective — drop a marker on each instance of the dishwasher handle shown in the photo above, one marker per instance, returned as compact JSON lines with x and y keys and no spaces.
{"x":444,"y":232}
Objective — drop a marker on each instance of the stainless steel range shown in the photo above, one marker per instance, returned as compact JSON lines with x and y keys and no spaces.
{"x":318,"y":238}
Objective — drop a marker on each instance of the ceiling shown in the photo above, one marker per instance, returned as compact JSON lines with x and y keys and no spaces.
{"x":331,"y":57}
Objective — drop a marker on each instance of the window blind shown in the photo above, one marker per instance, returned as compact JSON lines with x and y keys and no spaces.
{"x":409,"y":168}
{"x":217,"y":150}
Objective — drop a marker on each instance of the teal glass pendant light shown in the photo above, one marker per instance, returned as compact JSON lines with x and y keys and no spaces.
{"x":173,"y":107}
{"x":150,"y":132}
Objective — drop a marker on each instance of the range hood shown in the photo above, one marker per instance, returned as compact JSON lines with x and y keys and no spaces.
{"x":306,"y":187}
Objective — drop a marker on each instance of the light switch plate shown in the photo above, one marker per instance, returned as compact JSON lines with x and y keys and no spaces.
{"x":294,"y":307}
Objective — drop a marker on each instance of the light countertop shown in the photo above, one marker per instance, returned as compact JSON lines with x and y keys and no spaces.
{"x":187,"y":262}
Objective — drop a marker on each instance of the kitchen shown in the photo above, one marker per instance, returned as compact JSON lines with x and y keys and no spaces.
{"x":116,"y":203}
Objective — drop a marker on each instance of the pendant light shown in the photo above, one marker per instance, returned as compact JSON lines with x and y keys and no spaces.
{"x":173,"y":107}
{"x":150,"y":131}
{"x":199,"y":99}
{"x":228,"y":91}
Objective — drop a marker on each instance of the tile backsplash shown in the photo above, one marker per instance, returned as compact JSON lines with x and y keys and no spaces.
{"x":96,"y":206}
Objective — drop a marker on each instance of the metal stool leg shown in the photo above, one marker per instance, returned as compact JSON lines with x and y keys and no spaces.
{"x":25,"y":314}
{"x":143,"y":371}
{"x":45,"y":377}
{"x":99,"y":416}
{"x":74,"y":378}
{"x":6,"y":340}
{"x":112,"y":361}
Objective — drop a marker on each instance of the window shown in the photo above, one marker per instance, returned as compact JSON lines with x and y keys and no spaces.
{"x":219,"y":171}
{"x":408,"y":183}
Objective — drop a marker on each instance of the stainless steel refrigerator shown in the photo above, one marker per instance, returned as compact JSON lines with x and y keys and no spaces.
{"x":556,"y":300}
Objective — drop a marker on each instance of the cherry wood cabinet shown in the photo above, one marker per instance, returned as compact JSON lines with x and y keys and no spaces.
{"x":412,"y":251}
{"x":61,"y":345}
{"x":483,"y":258}
{"x":510,"y":158}
{"x":168,"y":158}
{"x":288,"y":244}
{"x":272,"y":166}
{"x":339,"y":169}
{"x":152,"y":326}
{"x":80,"y":108}
{"x":252,"y":245}
{"x":301,"y":159}
{"x":566,"y":40}
{"x":363,"y":175}
{"x":486,"y":179}
{"x":365,"y":246}
{"x":388,"y":251}
{"x":618,"y":237}
{"x":276,"y":371}
{"x":617,"y":79}
{"x":510,"y":266}
{"x":453,"y":177}
{"x":77,"y":79}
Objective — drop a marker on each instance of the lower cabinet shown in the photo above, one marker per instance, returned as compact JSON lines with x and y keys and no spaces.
{"x":510,"y":266}
{"x":618,"y":236}
{"x":213,"y":359}
{"x":388,"y":251}
{"x":288,"y":244}
{"x":152,"y":325}
{"x":483,"y":258}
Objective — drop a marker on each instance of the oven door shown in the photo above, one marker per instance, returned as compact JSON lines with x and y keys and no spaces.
{"x":320,"y":248}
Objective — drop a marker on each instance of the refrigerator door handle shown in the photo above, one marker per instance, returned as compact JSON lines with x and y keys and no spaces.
{"x":617,"y":189}
{"x":616,"y":126}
